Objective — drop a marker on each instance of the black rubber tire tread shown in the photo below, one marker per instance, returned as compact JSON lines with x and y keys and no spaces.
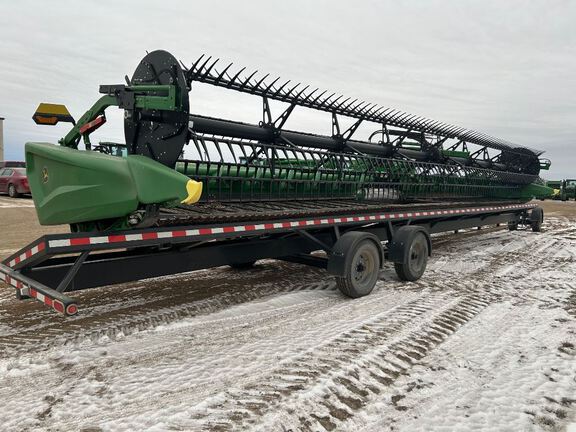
{"x":512,"y":226}
{"x":12,"y":192}
{"x":537,"y":224}
{"x":399,"y":268}
{"x":345,"y":283}
{"x":404,"y":271}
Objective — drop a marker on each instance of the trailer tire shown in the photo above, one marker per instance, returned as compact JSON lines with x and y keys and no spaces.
{"x":243,"y":266}
{"x":410,"y":250}
{"x":536,"y":219}
{"x":356,"y":261}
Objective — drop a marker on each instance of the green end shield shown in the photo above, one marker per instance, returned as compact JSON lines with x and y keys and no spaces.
{"x":72,"y":186}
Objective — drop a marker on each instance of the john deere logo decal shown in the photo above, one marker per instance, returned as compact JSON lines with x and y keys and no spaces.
{"x":44,"y":175}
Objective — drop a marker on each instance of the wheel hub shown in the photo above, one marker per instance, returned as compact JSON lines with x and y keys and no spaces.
{"x":362,"y":268}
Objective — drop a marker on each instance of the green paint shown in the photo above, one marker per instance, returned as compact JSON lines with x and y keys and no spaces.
{"x":159,"y":97}
{"x":72,"y":186}
{"x":456,"y":153}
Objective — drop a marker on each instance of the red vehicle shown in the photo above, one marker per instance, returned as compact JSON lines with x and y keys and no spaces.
{"x":14,"y":182}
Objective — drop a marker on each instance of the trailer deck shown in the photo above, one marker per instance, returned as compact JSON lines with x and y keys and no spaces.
{"x":213,"y":212}
{"x":53,"y":265}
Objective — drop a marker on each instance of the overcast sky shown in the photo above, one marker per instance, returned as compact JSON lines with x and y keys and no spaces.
{"x":506,"y":68}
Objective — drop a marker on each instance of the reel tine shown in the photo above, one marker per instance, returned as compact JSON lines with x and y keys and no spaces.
{"x":359,"y":109}
{"x":277,"y":92}
{"x":342,"y":103}
{"x":219,"y":78}
{"x":395,"y":114}
{"x":376,"y":113}
{"x":195,"y":64}
{"x":257,"y":85}
{"x":404,"y":119}
{"x":419,"y":120}
{"x":203,"y":66}
{"x":233,"y":80}
{"x":354,"y":108}
{"x":211,"y":67}
{"x":319,"y":96}
{"x":184,"y":68}
{"x":309,"y":95}
{"x":192,"y":72}
{"x":365,"y":111}
{"x":333,"y":102}
{"x":407,"y":119}
{"x":301,"y":91}
{"x":247,"y":80}
{"x":349,"y":105}
{"x":287,"y":95}
{"x":270,"y":86}
{"x":373,"y":111}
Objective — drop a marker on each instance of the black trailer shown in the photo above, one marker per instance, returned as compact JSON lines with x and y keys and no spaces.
{"x":356,"y":245}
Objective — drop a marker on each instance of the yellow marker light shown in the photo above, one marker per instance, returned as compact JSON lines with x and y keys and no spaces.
{"x":51,"y":114}
{"x":194,"y":190}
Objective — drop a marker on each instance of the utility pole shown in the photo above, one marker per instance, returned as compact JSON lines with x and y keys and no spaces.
{"x":1,"y":138}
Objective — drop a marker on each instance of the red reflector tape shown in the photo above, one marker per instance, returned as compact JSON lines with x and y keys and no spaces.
{"x":80,"y":241}
{"x":116,"y":238}
{"x":71,"y":309}
{"x":58,"y":306}
{"x":93,"y":125}
{"x":190,"y":233}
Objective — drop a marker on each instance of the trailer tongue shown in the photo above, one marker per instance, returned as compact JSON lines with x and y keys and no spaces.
{"x":188,"y":191}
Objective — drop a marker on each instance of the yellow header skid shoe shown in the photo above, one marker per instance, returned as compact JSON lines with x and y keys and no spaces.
{"x":194,"y":190}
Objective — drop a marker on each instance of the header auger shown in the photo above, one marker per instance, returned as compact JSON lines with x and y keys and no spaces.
{"x":406,"y":159}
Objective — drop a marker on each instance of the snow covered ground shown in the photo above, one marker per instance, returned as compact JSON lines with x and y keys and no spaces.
{"x":486,"y":340}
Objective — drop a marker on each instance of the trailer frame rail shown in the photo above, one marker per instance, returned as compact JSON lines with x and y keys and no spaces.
{"x":58,"y":263}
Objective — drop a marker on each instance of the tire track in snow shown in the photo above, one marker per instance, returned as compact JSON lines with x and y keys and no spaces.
{"x":221,"y":288}
{"x":326,"y":385}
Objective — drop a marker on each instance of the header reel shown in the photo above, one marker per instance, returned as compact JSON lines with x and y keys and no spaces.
{"x":157,"y":123}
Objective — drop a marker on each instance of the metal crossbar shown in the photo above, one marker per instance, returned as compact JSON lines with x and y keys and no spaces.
{"x":251,"y":171}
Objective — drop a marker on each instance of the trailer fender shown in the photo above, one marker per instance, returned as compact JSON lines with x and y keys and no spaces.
{"x":402,"y":236}
{"x":337,"y":262}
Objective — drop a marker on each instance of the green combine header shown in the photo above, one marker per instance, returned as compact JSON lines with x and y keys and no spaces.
{"x":173,"y":159}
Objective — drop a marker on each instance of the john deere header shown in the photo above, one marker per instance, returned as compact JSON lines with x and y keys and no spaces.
{"x":407,"y":158}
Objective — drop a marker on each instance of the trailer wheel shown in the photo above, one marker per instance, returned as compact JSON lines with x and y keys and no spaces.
{"x":243,"y":266}
{"x":416,"y":253}
{"x":512,"y":225}
{"x":356,"y":260}
{"x":536,"y":219}
{"x":362,"y":274}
